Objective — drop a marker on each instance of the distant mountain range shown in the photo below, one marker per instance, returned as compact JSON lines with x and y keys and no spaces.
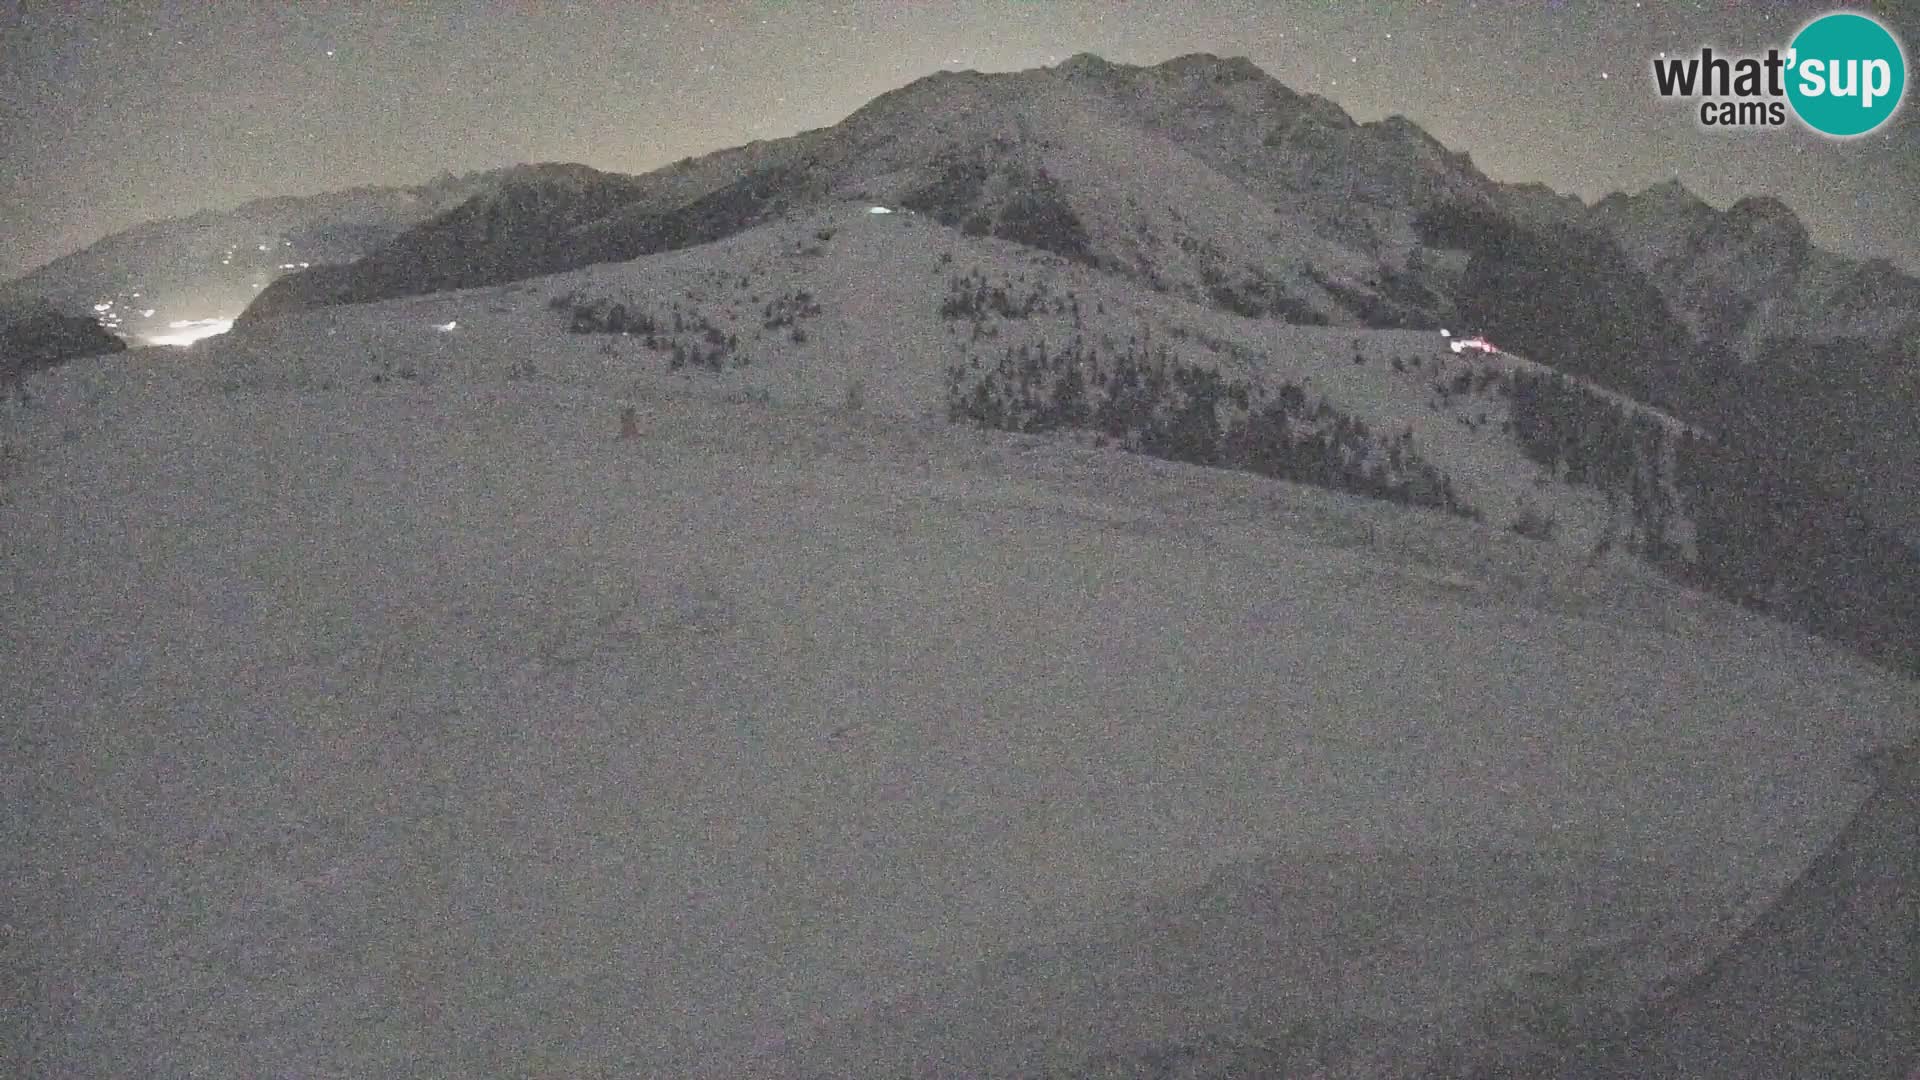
{"x":1200,"y":177}
{"x":213,"y":264}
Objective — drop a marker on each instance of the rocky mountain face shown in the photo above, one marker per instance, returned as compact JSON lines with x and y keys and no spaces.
{"x":1200,"y":177}
{"x":1801,"y":344}
{"x":1652,"y":227}
{"x":1748,"y":277}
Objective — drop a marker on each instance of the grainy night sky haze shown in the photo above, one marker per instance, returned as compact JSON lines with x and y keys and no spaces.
{"x":113,"y":113}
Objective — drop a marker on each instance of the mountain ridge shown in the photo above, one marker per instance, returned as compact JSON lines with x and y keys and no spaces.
{"x":1306,"y":158}
{"x":1205,"y":177}
{"x":1297,"y":152}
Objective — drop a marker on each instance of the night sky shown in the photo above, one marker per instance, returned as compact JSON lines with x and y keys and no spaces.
{"x":115,"y":112}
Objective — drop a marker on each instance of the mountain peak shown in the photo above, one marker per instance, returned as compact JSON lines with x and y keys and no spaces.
{"x":1765,"y":208}
{"x":1766,"y":221}
{"x":1223,"y":69}
{"x":1668,"y":205}
{"x":1206,"y":65}
{"x":1087,"y":64}
{"x":1401,"y":128}
{"x":1671,"y":191}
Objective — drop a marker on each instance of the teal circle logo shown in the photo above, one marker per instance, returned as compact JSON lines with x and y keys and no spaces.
{"x":1847,"y":74}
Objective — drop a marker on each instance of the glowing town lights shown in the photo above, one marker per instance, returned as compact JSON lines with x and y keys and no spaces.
{"x":188,"y":331}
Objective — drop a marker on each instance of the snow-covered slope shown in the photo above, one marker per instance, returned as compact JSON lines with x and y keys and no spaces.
{"x":377,"y":707}
{"x":1203,"y":178}
{"x":865,"y":294}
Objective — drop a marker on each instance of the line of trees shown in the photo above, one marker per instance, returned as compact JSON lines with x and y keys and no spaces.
{"x":1772,"y":537}
{"x":1766,"y":532}
{"x":1149,"y":401}
{"x":1584,"y":437}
